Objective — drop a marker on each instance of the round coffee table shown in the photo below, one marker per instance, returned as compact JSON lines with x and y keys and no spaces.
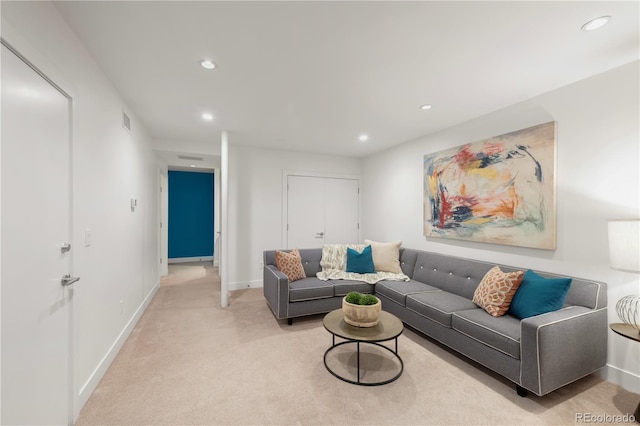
{"x":389,"y":328}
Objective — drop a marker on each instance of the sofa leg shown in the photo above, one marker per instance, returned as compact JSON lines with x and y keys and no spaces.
{"x":290,"y":321}
{"x":521,"y":391}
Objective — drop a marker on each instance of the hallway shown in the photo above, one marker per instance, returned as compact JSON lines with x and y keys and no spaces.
{"x":167,"y":370}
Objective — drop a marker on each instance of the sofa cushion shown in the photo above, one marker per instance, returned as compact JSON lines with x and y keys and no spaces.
{"x":538,"y":295}
{"x":290,"y":264}
{"x":453,"y":274}
{"x":438,"y":305}
{"x":342,"y":287}
{"x":398,"y":290}
{"x":386,"y":256}
{"x":501,"y":333}
{"x":309,"y":289}
{"x":311,"y":261}
{"x":496,"y":290}
{"x":360,"y":262}
{"x":408,"y":260}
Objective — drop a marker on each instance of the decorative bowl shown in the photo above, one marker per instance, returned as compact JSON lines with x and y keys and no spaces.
{"x":361,"y":315}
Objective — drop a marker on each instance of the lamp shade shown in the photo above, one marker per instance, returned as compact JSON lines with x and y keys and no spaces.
{"x":624,"y":244}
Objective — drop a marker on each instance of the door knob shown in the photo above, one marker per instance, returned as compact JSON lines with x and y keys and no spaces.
{"x":65,"y":247}
{"x":68,"y":280}
{"x":319,"y":234}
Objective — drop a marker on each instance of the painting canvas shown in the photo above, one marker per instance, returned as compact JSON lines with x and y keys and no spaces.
{"x":499,"y":190}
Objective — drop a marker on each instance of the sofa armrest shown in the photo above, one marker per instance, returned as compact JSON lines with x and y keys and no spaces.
{"x":561,"y":346}
{"x":275,"y":286}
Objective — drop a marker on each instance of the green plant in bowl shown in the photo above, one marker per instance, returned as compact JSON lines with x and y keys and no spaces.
{"x":357,"y":298}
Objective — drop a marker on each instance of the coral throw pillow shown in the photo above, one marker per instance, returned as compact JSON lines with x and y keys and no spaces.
{"x":386,"y":256}
{"x":290,"y":264}
{"x":496,"y":290}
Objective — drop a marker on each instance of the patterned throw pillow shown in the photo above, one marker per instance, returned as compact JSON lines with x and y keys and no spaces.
{"x":290,"y":264}
{"x":496,"y":290}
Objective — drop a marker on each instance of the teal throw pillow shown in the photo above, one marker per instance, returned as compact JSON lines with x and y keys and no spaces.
{"x":538,"y":295}
{"x":360,"y":263}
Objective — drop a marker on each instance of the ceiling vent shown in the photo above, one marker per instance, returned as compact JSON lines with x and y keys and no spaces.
{"x":189,"y":157}
{"x":126,"y":121}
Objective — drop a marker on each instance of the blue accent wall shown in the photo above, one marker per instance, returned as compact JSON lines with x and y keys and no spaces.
{"x":190,"y":214}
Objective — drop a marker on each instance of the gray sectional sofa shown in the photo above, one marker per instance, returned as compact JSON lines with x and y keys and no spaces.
{"x":539,"y":354}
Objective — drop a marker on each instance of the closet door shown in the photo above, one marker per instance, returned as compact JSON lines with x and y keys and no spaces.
{"x":341,"y":211}
{"x":321,"y":210}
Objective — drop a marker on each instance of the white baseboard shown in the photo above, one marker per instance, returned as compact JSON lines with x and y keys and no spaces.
{"x":90,"y":385}
{"x":190,"y":259}
{"x":623,"y":378}
{"x":241,"y":285}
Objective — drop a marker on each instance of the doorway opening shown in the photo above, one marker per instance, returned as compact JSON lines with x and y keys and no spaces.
{"x":208,"y":165}
{"x":190,"y":216}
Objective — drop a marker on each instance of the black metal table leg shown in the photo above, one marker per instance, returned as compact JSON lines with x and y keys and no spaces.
{"x":358,"y":362}
{"x":357,"y":381}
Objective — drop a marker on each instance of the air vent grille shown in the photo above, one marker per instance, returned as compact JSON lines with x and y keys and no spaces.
{"x":189,"y":157}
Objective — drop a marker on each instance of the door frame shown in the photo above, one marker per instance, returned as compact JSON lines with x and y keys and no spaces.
{"x":34,"y":59}
{"x":285,"y":196}
{"x":216,"y":216}
{"x":163,"y":221}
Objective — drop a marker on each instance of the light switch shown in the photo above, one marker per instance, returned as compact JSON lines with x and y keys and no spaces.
{"x":87,"y":237}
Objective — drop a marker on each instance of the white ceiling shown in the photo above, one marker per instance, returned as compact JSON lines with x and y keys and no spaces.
{"x":312,"y":76}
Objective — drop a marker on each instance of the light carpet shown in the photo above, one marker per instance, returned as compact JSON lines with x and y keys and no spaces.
{"x":188,"y":361}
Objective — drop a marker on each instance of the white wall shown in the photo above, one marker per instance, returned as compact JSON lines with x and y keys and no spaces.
{"x":119,"y":271}
{"x":255,"y":203}
{"x":598,"y":155}
{"x":211,"y":147}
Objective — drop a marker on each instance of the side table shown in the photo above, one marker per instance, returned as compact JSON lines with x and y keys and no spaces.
{"x":630,"y":332}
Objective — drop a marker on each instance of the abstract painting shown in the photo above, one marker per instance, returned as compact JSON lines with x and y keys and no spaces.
{"x":499,"y":190}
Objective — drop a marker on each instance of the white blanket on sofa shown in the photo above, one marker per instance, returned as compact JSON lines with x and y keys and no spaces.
{"x":334,"y":266}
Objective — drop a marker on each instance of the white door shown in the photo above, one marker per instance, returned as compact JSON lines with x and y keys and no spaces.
{"x":341,"y":222}
{"x":305,"y":212}
{"x":321,"y":211}
{"x":36,"y":307}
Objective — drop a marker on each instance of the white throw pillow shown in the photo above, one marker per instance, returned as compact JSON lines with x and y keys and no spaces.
{"x":386,"y":256}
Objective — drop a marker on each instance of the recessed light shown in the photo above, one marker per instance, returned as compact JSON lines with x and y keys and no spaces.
{"x":425,"y":107}
{"x":596,"y":23}
{"x":206,"y":116}
{"x":192,"y":165}
{"x":207,"y":64}
{"x":363,"y":138}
